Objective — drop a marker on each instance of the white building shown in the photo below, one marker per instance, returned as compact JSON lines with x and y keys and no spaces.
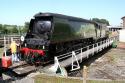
{"x":122,"y":35}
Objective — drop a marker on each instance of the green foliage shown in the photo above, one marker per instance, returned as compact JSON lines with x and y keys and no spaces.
{"x":104,"y":21}
{"x":24,"y":30}
{"x":4,"y":30}
{"x":8,"y":29}
{"x":0,"y":26}
{"x":26,"y":27}
{"x":13,"y":29}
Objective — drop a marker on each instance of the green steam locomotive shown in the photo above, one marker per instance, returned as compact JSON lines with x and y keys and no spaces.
{"x":56,"y":34}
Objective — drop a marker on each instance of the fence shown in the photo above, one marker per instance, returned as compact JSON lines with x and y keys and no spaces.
{"x":78,"y":55}
{"x":8,"y":39}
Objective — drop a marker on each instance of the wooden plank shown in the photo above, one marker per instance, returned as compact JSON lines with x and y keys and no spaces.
{"x":25,"y":70}
{"x":18,"y":64}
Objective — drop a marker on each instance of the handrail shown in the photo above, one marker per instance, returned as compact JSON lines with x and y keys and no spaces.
{"x":79,"y":54}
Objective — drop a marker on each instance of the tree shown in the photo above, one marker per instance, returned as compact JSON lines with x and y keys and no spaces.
{"x":104,"y":21}
{"x":14,"y":29}
{"x":8,"y":29}
{"x":1,"y":28}
{"x":26,"y":24}
{"x":25,"y":28}
{"x":4,"y":30}
{"x":19,"y":30}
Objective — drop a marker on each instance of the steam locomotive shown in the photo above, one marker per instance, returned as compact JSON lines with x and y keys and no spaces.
{"x":52,"y":34}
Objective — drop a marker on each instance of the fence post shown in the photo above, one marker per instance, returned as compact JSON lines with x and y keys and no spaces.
{"x":85,"y":74}
{"x":93,"y":49}
{"x":81,"y":54}
{"x":87,"y":51}
{"x":11,"y":39}
{"x":5,"y":45}
{"x":8,"y":41}
{"x":97,"y":47}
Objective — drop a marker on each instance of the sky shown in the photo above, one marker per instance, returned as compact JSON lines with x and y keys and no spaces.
{"x":18,"y":12}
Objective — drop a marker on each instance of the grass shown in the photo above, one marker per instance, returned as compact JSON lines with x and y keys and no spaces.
{"x":54,"y":79}
{"x":1,"y":52}
{"x":102,"y":81}
{"x":42,"y":78}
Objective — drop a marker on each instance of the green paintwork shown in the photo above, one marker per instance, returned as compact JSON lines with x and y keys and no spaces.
{"x":65,"y":30}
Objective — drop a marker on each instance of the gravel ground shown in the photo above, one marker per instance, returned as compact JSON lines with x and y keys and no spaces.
{"x":110,"y":66}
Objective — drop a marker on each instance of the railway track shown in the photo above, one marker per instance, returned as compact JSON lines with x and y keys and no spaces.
{"x":20,"y":69}
{"x":24,"y":69}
